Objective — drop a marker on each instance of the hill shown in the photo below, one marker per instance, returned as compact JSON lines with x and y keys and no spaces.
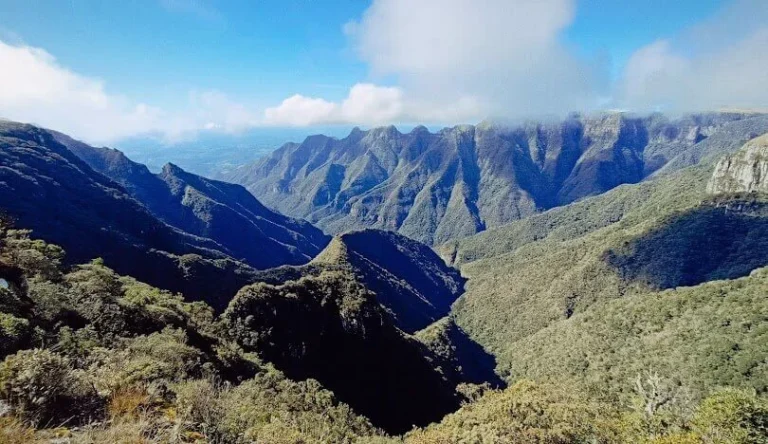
{"x":408,"y":278}
{"x":329,"y":327}
{"x":436,"y":187}
{"x":47,"y":188}
{"x":93,"y":356}
{"x":222,"y":212}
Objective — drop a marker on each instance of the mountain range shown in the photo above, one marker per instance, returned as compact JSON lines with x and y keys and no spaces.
{"x":600,"y":280}
{"x":437,"y":187}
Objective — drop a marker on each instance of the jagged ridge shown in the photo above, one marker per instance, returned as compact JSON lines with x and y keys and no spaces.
{"x":463,"y":180}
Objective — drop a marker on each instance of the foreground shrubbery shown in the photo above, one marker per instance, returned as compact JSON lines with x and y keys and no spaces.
{"x":93,"y":357}
{"x":549,"y":414}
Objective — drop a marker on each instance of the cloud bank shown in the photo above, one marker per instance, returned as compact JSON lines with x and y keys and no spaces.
{"x":366,"y":104}
{"x":464,"y":60}
{"x":37,"y":89}
{"x":506,"y":54}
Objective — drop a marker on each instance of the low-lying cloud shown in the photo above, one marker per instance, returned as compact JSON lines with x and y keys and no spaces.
{"x":464,"y":60}
{"x":37,"y":89}
{"x":366,"y":104}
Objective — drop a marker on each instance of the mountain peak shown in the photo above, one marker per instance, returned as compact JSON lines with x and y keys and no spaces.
{"x":384,"y":131}
{"x":455,"y":183}
{"x":172,"y":169}
{"x":409,"y":278}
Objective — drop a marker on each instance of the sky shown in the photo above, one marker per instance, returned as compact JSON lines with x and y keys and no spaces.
{"x":105,"y":70}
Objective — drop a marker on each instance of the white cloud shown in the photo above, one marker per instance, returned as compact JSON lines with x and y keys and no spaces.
{"x":460,"y":60}
{"x":369,"y":103}
{"x":37,"y":89}
{"x":505,"y":55}
{"x":366,"y":104}
{"x":722,"y":63}
{"x":450,"y":61}
{"x":299,"y":110}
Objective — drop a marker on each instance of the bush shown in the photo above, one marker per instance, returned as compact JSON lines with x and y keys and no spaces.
{"x":733,"y":417}
{"x":34,"y":256}
{"x":42,"y":387}
{"x":199,"y":401}
{"x":15,"y":333}
{"x":525,"y":413}
{"x":155,"y":361}
{"x":269,"y":406}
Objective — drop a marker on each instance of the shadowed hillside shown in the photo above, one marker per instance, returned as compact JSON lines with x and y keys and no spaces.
{"x":409,"y":279}
{"x":329,"y":327}
{"x":723,"y":239}
{"x":220,"y":211}
{"x":48,"y":189}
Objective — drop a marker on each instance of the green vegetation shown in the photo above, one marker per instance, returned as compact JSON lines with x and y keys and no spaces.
{"x":412,"y":283}
{"x":675,"y":236}
{"x":700,"y":338}
{"x":330,"y":327}
{"x":96,"y":357}
{"x":45,"y":187}
{"x":530,"y":413}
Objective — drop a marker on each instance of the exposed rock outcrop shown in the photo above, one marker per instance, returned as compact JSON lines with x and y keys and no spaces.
{"x":745,"y":171}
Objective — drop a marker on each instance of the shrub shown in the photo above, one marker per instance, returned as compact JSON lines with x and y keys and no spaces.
{"x":733,"y":417}
{"x":34,"y":256}
{"x":154,"y":360}
{"x":199,"y":401}
{"x":42,"y":387}
{"x":525,"y":413}
{"x":260,"y":407}
{"x":15,"y":333}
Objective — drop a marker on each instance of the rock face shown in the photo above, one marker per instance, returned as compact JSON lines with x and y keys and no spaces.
{"x":434,"y":187}
{"x":744,"y":171}
{"x":225,"y":213}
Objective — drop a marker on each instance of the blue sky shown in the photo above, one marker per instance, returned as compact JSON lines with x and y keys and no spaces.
{"x":190,"y":62}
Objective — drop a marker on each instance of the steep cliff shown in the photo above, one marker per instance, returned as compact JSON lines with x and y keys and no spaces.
{"x":744,"y":171}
